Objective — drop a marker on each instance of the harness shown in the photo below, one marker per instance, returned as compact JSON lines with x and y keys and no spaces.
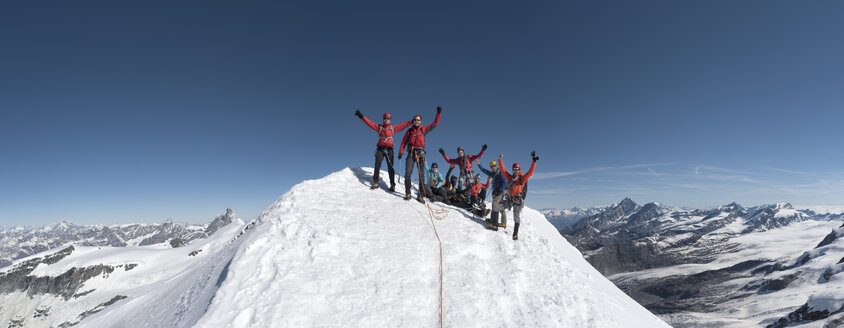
{"x":415,"y":131}
{"x":434,"y":183}
{"x":516,"y":182}
{"x":392,"y":132}
{"x":410,"y":146}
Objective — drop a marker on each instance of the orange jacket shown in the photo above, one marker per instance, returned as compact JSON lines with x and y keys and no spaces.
{"x":476,"y":188}
{"x":517,"y":183}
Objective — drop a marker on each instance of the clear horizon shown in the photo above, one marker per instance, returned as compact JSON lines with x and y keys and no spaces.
{"x":136,"y":112}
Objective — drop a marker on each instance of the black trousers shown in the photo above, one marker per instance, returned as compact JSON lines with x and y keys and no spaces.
{"x":410,"y":163}
{"x":380,"y":154}
{"x":438,"y":195}
{"x":479,"y":199}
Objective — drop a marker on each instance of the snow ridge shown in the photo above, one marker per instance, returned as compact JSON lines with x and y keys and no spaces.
{"x":330,"y":252}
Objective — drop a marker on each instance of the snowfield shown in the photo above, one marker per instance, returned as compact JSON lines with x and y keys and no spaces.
{"x":332,"y":253}
{"x":160,"y":286}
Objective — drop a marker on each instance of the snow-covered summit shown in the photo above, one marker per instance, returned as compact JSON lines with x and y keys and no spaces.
{"x":330,"y":252}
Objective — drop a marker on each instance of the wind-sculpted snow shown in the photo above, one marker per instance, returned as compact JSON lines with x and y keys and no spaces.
{"x":330,"y":252}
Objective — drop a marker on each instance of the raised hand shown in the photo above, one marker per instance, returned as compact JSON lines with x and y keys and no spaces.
{"x":439,"y":109}
{"x":483,"y":147}
{"x":358,"y":113}
{"x":533,"y":156}
{"x":442,"y":151}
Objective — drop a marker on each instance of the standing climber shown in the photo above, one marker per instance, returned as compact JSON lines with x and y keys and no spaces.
{"x":517,"y":182}
{"x":384,"y":148}
{"x":499,"y":187}
{"x":414,"y":139}
{"x":464,"y":162}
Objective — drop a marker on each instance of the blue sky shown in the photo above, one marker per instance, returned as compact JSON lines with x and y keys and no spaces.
{"x":135,"y":112}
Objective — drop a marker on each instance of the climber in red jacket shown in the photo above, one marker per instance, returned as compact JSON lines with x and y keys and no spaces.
{"x":464,"y":162}
{"x":478,"y":191}
{"x":516,"y":185}
{"x":414,"y":139}
{"x":384,"y":148}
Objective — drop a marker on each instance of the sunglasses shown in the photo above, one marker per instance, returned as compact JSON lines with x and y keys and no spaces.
{"x":386,"y":118}
{"x":417,"y":120}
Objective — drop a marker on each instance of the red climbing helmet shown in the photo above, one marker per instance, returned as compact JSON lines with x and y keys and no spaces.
{"x":386,"y":115}
{"x":516,"y":166}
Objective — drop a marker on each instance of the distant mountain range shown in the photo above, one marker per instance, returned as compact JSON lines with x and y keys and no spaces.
{"x":22,"y":241}
{"x":726,"y":266}
{"x":565,"y":217}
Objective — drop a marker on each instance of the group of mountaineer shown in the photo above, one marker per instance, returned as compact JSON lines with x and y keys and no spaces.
{"x":463,"y":190}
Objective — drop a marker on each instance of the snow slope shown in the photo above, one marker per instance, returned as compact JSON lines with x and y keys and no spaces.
{"x":149,"y":286}
{"x":332,"y":253}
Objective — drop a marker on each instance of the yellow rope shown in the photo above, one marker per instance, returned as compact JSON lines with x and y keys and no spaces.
{"x":435,"y":214}
{"x":438,"y":214}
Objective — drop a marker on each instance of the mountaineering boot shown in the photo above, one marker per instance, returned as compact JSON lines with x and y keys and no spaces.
{"x":516,"y":231}
{"x":374,"y":186}
{"x":502,"y":225}
{"x":492,"y":226}
{"x":407,"y":197}
{"x":420,"y":199}
{"x":392,"y":188}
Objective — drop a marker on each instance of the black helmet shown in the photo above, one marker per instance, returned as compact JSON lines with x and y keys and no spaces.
{"x":434,"y":165}
{"x":459,"y":149}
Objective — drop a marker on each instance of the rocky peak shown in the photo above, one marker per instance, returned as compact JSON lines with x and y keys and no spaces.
{"x":627,"y":205}
{"x":220,"y":221}
{"x":732,"y":207}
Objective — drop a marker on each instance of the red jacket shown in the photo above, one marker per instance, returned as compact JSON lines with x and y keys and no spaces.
{"x":476,"y":188}
{"x":416,"y":136}
{"x":517,"y":183}
{"x":385,"y":131}
{"x":465,"y":163}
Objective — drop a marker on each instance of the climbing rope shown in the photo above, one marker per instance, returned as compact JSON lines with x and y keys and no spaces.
{"x":438,"y":214}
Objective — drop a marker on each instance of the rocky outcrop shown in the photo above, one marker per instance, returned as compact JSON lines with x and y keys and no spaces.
{"x":779,"y":283}
{"x":177,"y":242}
{"x":92,"y":311}
{"x":220,"y":221}
{"x":803,"y":314}
{"x":831,"y":237}
{"x":65,"y":285}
